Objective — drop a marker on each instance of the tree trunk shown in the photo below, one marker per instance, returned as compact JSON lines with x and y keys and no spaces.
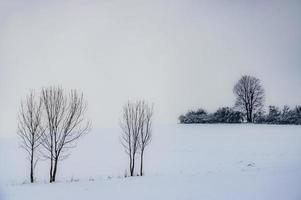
{"x":141,"y":163}
{"x":31,"y":166}
{"x":249,"y":113}
{"x":55,"y":169}
{"x":51,"y":169}
{"x":132,"y":170}
{"x":247,"y":110}
{"x":251,"y":117}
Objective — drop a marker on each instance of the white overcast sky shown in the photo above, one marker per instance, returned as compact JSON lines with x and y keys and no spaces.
{"x":180,"y":55}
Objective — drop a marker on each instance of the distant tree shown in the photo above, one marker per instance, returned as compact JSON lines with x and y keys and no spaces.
{"x":259,"y":117}
{"x":227,"y":115}
{"x":182,"y":119}
{"x":297,"y":115}
{"x":222,"y":115}
{"x":65,"y":124}
{"x":287,"y":115}
{"x":200,"y":111}
{"x":191,"y":117}
{"x":249,"y":96}
{"x":30,"y":129}
{"x":131,"y":124}
{"x":136,"y":125}
{"x":278,"y":116}
{"x":145,"y":135}
{"x":274,"y":115}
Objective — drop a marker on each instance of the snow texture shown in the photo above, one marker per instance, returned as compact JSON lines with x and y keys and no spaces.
{"x":212,"y":162}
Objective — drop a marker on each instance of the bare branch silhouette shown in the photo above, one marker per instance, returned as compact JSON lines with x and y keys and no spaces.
{"x":249,"y":96}
{"x":65,"y":124}
{"x":30,"y":129}
{"x":136,"y":127}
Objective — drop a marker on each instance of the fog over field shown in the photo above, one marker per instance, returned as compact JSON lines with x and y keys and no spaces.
{"x":178,"y":54}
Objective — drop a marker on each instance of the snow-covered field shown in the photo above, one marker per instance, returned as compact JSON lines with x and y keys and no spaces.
{"x":229,"y":162}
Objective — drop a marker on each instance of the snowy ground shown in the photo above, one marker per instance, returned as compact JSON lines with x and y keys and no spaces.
{"x":229,"y":162}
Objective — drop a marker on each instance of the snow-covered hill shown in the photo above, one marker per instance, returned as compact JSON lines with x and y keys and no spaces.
{"x":226,"y":162}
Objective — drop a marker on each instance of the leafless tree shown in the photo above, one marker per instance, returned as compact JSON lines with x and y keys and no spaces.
{"x":136,"y":125}
{"x":145,"y":132}
{"x":65,"y":123}
{"x":131,"y":125}
{"x":30,"y":129}
{"x":249,"y":96}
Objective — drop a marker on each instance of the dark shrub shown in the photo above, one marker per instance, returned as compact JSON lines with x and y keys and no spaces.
{"x":227,"y":115}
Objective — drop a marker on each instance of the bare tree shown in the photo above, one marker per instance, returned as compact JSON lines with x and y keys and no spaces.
{"x":30,"y":129}
{"x":131,"y":125}
{"x":146,"y":132}
{"x":249,"y":96}
{"x":65,"y":124}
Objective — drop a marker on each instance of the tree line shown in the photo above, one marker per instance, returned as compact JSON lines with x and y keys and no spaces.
{"x":49,"y":125}
{"x":248,"y":107}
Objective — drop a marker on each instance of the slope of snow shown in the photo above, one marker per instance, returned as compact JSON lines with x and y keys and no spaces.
{"x":183,"y":162}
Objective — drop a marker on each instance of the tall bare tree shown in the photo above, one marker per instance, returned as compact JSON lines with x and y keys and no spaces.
{"x":30,"y":129}
{"x":249,"y":96}
{"x":131,"y":125}
{"x":65,"y":124}
{"x":145,"y":135}
{"x":136,"y":125}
